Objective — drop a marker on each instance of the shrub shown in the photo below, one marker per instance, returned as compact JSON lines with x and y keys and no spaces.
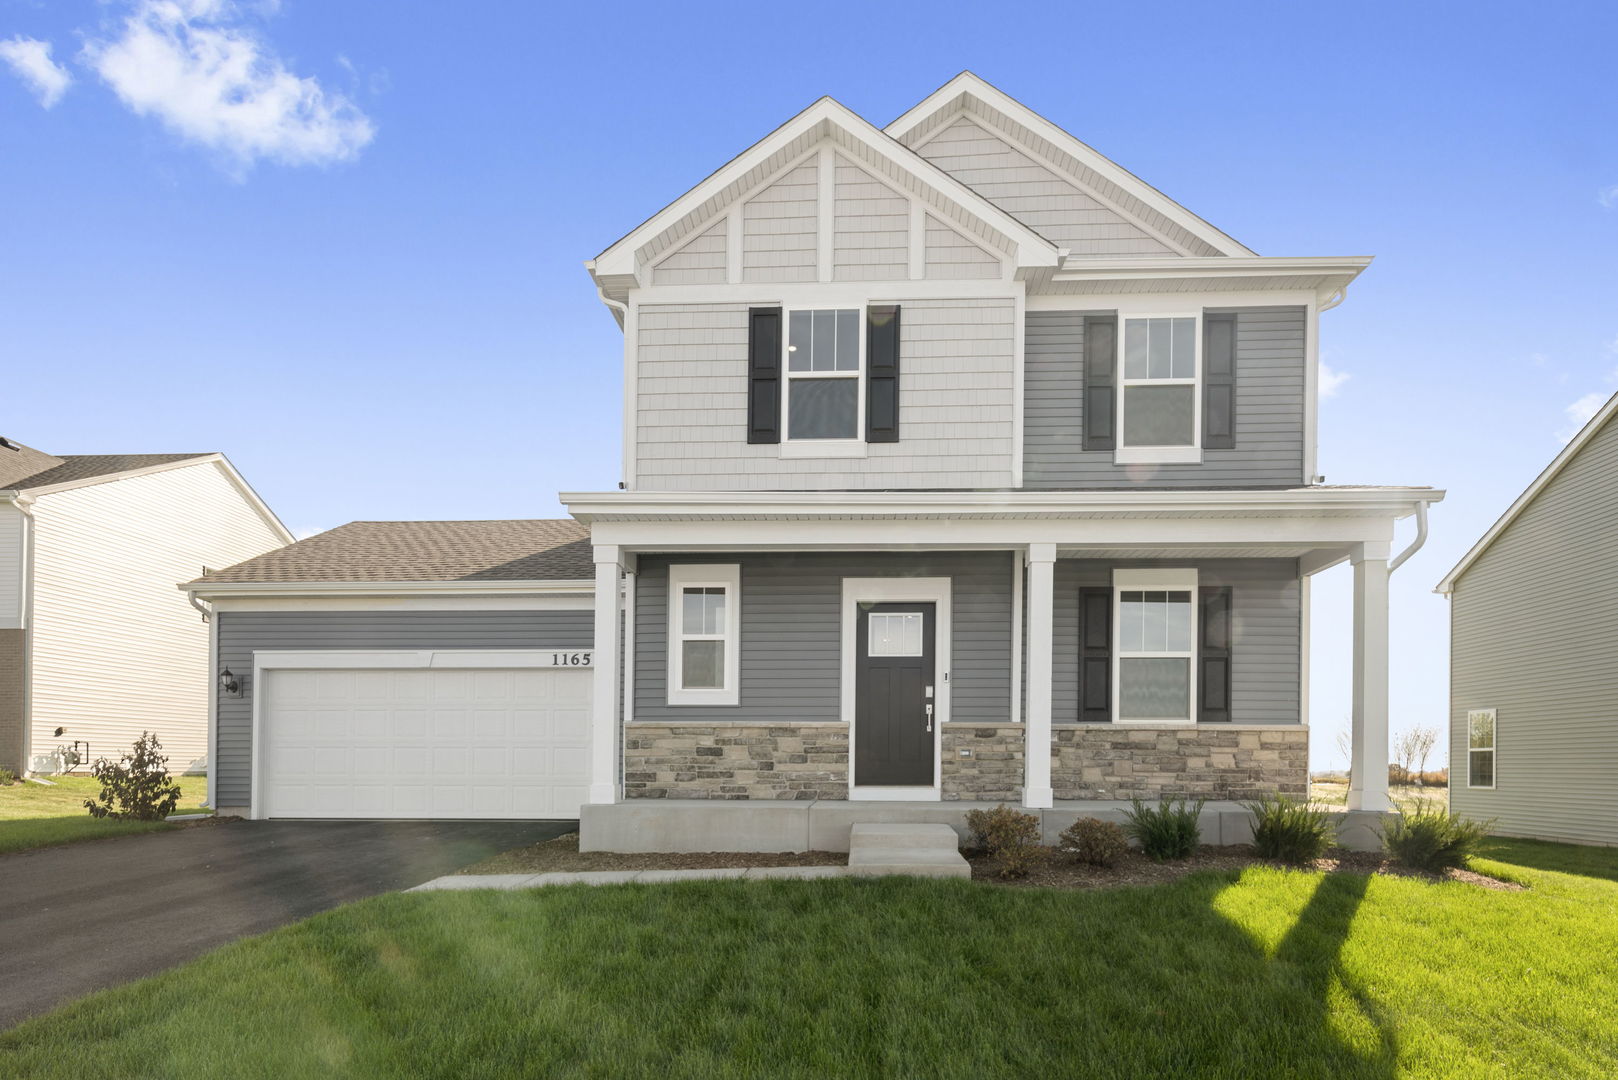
{"x":1290,"y":831}
{"x":1009,"y":836}
{"x":1097,"y":842}
{"x":137,"y":787}
{"x":1431,"y":838}
{"x":1167,"y":831}
{"x":7,"y":777}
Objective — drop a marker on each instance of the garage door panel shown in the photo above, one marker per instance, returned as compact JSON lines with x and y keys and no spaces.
{"x":425,"y":743}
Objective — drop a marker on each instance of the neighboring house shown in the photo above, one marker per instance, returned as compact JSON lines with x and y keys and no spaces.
{"x":960,"y":465}
{"x":1534,"y":653}
{"x":95,"y":645}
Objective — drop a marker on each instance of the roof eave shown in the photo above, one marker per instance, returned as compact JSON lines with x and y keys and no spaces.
{"x":211,"y":590}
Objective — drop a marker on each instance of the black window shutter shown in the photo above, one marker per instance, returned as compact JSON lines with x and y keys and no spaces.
{"x":764,"y":375}
{"x":1219,"y":381}
{"x":1095,"y":655}
{"x":1213,"y":655}
{"x":1100,"y":381}
{"x":882,"y":373}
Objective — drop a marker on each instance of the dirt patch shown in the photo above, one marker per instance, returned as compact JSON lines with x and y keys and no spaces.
{"x":563,"y":853}
{"x":1061,"y":871}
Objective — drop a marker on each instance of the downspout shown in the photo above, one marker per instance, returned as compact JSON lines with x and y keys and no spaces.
{"x":1415,"y":545}
{"x":213,"y":689}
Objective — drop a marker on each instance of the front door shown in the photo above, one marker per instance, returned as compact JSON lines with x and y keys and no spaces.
{"x":894,"y":695}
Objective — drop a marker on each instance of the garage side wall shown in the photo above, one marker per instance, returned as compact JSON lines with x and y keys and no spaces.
{"x":241,"y":634}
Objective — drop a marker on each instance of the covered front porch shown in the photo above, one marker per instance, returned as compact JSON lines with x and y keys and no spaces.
{"x":1010,"y":590}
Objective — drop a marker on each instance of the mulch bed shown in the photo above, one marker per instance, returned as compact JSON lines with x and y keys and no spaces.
{"x":1063,"y":871}
{"x":563,"y":853}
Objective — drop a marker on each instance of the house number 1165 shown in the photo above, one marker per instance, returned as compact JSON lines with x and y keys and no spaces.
{"x":570,"y":659}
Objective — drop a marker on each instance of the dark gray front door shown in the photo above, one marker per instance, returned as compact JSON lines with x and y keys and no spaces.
{"x":894,"y":694}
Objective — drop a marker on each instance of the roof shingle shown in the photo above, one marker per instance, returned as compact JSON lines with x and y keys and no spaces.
{"x":555,"y":550}
{"x":71,"y":468}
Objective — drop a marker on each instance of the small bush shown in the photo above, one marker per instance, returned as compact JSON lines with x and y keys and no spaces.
{"x":1290,"y":831}
{"x":1097,"y":842}
{"x":1167,"y":831}
{"x":1009,"y":836}
{"x":1431,"y":838}
{"x":7,"y":777}
{"x":137,"y":787}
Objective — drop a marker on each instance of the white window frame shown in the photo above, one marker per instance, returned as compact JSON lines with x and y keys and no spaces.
{"x":791,"y":447}
{"x":1153,"y":581}
{"x":727,"y":576}
{"x":1159,"y":455}
{"x":1493,"y":748}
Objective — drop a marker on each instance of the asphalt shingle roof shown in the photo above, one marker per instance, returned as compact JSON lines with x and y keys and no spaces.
{"x":427,"y":551}
{"x":75,"y":467}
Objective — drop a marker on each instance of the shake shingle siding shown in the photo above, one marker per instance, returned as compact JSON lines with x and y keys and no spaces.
{"x":791,"y":633}
{"x":1534,"y":635}
{"x":243,"y":633}
{"x":1270,"y":388}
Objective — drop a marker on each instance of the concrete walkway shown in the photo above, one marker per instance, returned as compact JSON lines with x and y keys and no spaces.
{"x":456,"y":882}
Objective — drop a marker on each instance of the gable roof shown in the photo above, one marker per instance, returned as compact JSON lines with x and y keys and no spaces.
{"x":615,"y":269}
{"x":1515,"y":510}
{"x":1091,"y":169}
{"x":74,"y":469}
{"x":424,"y":551}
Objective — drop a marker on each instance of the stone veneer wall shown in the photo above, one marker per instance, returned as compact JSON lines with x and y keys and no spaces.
{"x":736,"y":761}
{"x":1104,"y":761}
{"x":993,"y":770}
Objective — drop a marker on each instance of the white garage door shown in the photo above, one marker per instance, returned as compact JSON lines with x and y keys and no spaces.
{"x":424,"y":743}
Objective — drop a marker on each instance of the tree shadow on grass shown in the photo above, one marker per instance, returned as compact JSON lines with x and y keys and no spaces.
{"x":1579,"y":859}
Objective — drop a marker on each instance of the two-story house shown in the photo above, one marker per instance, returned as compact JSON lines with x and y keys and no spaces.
{"x":960,"y":465}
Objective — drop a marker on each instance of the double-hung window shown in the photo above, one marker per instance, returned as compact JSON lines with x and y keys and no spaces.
{"x":1160,"y":392}
{"x":1155,"y":676}
{"x":825,"y":394}
{"x":704,"y":618}
{"x":1480,"y":748}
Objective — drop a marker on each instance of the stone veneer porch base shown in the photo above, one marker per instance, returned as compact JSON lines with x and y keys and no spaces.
{"x":1208,"y":761}
{"x":789,"y":761}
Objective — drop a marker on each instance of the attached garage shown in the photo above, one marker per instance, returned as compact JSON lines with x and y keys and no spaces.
{"x":420,"y":670}
{"x":421,"y":735}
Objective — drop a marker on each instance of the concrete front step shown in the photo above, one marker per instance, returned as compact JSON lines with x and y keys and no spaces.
{"x":916,"y":850}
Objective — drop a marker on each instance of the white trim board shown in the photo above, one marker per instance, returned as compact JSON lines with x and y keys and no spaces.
{"x":883,"y":590}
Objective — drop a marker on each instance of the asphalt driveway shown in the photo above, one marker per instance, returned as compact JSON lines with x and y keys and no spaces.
{"x":82,"y":917}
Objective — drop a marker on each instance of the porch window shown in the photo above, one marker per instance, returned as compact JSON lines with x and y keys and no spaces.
{"x":1155,"y":678}
{"x":823,"y":386}
{"x":1480,"y":748}
{"x":1160,"y":394}
{"x":703,"y":625}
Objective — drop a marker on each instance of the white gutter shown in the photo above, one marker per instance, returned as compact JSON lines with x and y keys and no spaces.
{"x":214,"y":590}
{"x":1415,"y":545}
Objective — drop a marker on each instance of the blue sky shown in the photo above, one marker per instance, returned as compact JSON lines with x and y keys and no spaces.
{"x":353,"y":260}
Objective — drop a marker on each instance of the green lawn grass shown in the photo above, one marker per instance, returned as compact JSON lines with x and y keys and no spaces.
{"x":1262,"y":973}
{"x":33,"y":815}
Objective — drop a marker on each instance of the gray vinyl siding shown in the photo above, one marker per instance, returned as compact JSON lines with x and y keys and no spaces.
{"x":791,"y":633}
{"x":1534,"y":635}
{"x":1040,"y":197}
{"x":870,"y":227}
{"x":780,"y":235}
{"x":1271,"y":359}
{"x":1266,"y":643}
{"x":700,"y":262}
{"x":955,"y":404}
{"x":950,"y":256}
{"x":241,"y":634}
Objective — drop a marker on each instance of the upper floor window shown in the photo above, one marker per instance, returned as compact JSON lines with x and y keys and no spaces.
{"x":824,"y":390}
{"x":1160,"y":393}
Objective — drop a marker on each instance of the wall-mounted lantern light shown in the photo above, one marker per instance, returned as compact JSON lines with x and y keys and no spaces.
{"x":229,"y":683}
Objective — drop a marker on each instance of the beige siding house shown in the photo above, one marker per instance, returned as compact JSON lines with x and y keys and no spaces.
{"x":96,"y":643}
{"x":1534,"y":653}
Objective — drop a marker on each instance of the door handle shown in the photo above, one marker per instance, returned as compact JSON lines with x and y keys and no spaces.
{"x":929,"y":716}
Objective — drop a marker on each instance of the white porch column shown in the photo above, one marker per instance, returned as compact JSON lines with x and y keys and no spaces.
{"x":1036,"y":792}
{"x":1368,"y":766}
{"x":604,"y":676}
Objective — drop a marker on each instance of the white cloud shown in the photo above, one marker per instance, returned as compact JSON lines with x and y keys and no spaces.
{"x":1608,"y":197}
{"x":1581,"y":411}
{"x":1331,"y":380}
{"x":210,"y":79}
{"x":306,"y":532}
{"x":31,"y":60}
